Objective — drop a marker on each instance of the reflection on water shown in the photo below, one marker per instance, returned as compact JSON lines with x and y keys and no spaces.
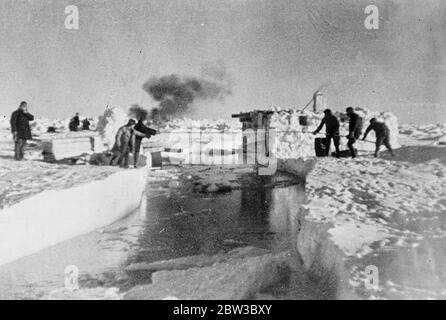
{"x":179,"y":225}
{"x":171,"y":224}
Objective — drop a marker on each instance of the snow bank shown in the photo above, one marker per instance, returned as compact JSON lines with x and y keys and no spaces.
{"x":40,"y":125}
{"x":423,"y":131}
{"x":296,"y":140}
{"x":109,"y":123}
{"x":297,"y":167}
{"x":4,"y":122}
{"x":357,"y":207}
{"x":22,"y":179}
{"x":428,"y":134}
{"x":64,"y":214}
{"x":290,"y":138}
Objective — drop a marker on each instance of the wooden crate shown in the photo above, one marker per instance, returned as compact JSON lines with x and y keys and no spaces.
{"x":56,"y":149}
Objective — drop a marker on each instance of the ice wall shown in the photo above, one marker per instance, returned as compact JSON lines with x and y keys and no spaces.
{"x":54,"y":216}
{"x":296,"y":140}
{"x":109,"y":123}
{"x":290,"y":139}
{"x":297,"y":167}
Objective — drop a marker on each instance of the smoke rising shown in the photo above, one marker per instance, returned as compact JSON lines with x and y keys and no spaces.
{"x":138,"y":112}
{"x":177,"y":94}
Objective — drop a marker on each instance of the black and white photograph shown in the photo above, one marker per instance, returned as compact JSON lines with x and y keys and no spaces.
{"x":238,"y":152}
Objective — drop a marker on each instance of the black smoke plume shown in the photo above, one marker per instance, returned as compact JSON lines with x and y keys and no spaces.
{"x":137,"y":112}
{"x":176,"y":94}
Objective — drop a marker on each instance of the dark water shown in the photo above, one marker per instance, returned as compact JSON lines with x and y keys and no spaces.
{"x":261,"y":214}
{"x":178,"y":225}
{"x":173,"y":224}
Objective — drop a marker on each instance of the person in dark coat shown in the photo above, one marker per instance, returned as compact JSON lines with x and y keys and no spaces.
{"x":74,"y":123}
{"x":21,"y":131}
{"x":382,"y":134}
{"x":123,"y":144}
{"x":141,"y":131}
{"x":354,"y":129}
{"x":331,"y":131}
{"x":85,"y":124}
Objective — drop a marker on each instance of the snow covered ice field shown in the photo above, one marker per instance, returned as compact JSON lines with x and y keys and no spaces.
{"x":386,"y":212}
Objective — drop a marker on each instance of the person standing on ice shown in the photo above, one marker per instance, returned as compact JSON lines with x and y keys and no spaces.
{"x":354,"y":129}
{"x":140,"y":131}
{"x":123,"y":144}
{"x":74,"y":123}
{"x":382,"y":133}
{"x":21,"y":131}
{"x":331,"y":131}
{"x":85,"y":124}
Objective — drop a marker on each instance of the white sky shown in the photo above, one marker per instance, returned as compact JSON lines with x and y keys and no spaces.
{"x":276,"y":51}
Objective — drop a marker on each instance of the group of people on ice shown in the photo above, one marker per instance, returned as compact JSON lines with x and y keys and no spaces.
{"x":332,"y":126}
{"x":75,"y":123}
{"x":128,"y":138}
